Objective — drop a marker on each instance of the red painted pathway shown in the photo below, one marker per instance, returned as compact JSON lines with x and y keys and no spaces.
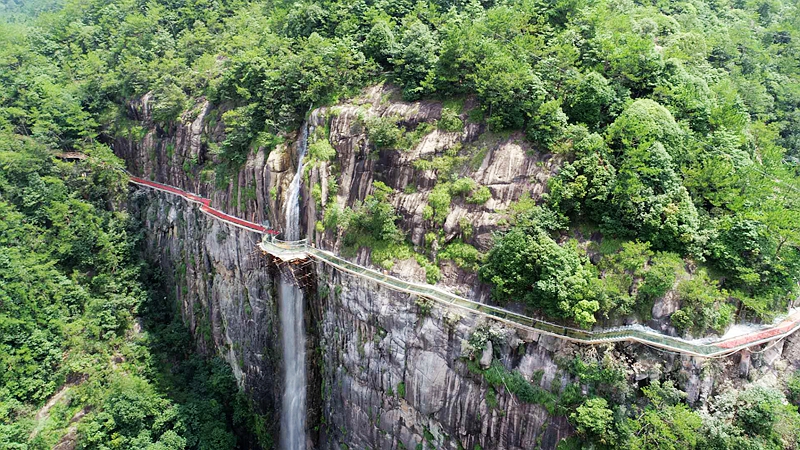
{"x":206,"y":206}
{"x":737,"y":343}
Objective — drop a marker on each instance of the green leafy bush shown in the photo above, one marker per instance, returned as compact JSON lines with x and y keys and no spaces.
{"x":383,"y":132}
{"x":514,"y":382}
{"x":439,"y":201}
{"x":595,"y":420}
{"x":793,"y":385}
{"x":548,"y":125}
{"x":432,"y":272}
{"x":463,"y":186}
{"x":450,"y":121}
{"x":534,"y":269}
{"x":321,"y":150}
{"x":590,"y":99}
{"x":661,"y":275}
{"x":464,"y":255}
{"x":703,"y":305}
{"x":480,"y":196}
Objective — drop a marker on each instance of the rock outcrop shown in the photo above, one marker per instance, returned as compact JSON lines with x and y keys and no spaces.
{"x":224,"y":288}
{"x":395,"y":377}
{"x":386,"y":370}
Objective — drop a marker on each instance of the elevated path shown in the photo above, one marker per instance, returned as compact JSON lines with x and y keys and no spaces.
{"x":299,"y":250}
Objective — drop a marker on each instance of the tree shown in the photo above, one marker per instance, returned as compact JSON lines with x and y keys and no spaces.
{"x":533,"y":268}
{"x":687,"y":96}
{"x":595,"y":420}
{"x":760,"y":410}
{"x":648,"y":199}
{"x":584,"y":186}
{"x":305,"y":18}
{"x":415,"y":63}
{"x":509,"y":90}
{"x":589,"y":98}
{"x":643,"y":123}
{"x":380,"y":43}
{"x":703,"y":305}
{"x":665,"y":423}
{"x":169,"y":101}
{"x":548,"y":124}
{"x":629,"y":57}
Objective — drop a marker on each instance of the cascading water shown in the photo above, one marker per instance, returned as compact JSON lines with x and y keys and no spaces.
{"x":293,"y":418}
{"x":292,"y":209}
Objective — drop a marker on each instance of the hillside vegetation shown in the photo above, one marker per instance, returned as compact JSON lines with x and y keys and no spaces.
{"x":81,"y":315}
{"x":677,"y":120}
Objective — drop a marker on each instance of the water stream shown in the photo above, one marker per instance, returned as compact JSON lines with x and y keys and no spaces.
{"x":293,"y":417}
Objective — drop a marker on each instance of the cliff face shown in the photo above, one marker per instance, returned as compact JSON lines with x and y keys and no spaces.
{"x":394,"y":376}
{"x":225,"y":289}
{"x":505,"y":164}
{"x":386,"y":370}
{"x":181,"y":154}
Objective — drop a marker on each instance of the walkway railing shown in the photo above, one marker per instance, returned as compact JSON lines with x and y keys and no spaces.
{"x":635,"y":333}
{"x":290,"y":250}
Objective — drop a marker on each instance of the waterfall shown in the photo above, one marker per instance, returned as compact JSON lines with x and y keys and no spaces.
{"x":292,"y":208}
{"x":293,"y":416}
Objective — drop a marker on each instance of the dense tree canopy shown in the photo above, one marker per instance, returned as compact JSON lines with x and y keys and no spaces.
{"x":677,"y":120}
{"x":71,"y":285}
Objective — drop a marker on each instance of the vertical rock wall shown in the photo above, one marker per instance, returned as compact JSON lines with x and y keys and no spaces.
{"x":182,"y":154}
{"x":384,"y":371}
{"x":394,"y":376}
{"x":224,"y":287}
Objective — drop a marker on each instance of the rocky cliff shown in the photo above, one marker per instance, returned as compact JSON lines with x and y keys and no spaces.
{"x":227,"y":293}
{"x":224,"y":288}
{"x":181,"y":154}
{"x":395,"y":376}
{"x":386,"y":370}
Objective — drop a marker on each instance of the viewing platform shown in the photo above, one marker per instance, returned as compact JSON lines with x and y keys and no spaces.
{"x":286,"y":251}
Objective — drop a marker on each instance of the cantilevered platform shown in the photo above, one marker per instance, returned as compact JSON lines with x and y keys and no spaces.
{"x":285,"y":251}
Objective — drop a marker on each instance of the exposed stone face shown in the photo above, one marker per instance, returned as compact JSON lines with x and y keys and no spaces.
{"x":394,"y":375}
{"x":375,"y":343}
{"x":225,"y":288}
{"x":369,"y":344}
{"x":181,"y":155}
{"x":506,"y":164}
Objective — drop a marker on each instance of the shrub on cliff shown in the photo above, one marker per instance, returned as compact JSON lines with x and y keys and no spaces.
{"x":534,"y":269}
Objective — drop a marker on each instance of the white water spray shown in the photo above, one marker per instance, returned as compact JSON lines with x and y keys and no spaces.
{"x":292,"y":209}
{"x":293,"y":416}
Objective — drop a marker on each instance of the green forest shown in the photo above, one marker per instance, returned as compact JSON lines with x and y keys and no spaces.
{"x":82,"y":316}
{"x":678,"y":122}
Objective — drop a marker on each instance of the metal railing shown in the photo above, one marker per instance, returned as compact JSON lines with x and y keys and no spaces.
{"x":637,"y":333}
{"x":301,"y":245}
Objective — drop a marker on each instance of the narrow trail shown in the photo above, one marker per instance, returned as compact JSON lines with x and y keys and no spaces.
{"x":44,"y":412}
{"x":706,"y":348}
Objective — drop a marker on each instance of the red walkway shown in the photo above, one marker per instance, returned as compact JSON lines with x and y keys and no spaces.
{"x":719,"y":348}
{"x":206,"y":206}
